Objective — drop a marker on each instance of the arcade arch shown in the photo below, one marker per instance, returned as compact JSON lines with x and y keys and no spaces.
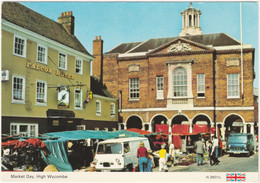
{"x":134,"y":121}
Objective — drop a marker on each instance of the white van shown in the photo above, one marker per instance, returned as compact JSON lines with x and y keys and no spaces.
{"x":118,"y":154}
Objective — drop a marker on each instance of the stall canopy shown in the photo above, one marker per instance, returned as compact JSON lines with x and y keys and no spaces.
{"x":180,"y":129}
{"x":141,"y":132}
{"x":162,"y":128}
{"x":92,"y":134}
{"x":200,"y":128}
{"x":57,"y":155}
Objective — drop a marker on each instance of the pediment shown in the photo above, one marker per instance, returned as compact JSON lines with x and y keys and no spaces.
{"x":180,"y":45}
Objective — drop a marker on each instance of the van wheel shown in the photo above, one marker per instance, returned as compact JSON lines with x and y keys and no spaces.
{"x":129,"y":168}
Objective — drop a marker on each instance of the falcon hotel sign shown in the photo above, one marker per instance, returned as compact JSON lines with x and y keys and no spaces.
{"x":48,"y":70}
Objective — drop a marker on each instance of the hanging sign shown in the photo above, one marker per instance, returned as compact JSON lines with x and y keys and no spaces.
{"x":63,"y":97}
{"x":5,"y":75}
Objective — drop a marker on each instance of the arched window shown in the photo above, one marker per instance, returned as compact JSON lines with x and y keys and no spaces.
{"x":180,"y":85}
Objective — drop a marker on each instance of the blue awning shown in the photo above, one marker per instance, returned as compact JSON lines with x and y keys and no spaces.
{"x":92,"y":134}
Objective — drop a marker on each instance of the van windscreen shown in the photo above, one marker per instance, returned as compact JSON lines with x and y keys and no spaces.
{"x":110,"y":148}
{"x":237,"y":139}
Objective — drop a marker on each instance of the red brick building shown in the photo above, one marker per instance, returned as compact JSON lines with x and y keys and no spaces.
{"x":191,"y":79}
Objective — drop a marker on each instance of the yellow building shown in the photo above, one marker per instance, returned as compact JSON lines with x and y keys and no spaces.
{"x":46,"y":82}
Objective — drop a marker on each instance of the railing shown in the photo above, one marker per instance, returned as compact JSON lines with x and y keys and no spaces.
{"x":180,"y":101}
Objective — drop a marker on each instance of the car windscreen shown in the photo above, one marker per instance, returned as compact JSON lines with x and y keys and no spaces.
{"x":237,"y":139}
{"x":109,"y":148}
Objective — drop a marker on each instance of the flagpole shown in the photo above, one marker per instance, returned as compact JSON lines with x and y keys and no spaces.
{"x":242,"y":63}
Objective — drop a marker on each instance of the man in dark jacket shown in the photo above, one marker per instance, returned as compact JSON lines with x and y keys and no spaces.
{"x":200,"y":148}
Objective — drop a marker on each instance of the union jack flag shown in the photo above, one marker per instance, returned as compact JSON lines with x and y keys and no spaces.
{"x":236,"y":177}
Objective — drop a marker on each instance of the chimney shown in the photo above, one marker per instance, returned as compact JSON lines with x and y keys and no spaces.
{"x":67,"y":20}
{"x":97,"y":67}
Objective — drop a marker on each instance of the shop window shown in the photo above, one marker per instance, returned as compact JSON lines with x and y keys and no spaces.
{"x":55,"y":123}
{"x":200,"y":85}
{"x":18,"y":94}
{"x":24,"y":129}
{"x":41,"y":93}
{"x":78,"y":66}
{"x":81,"y":127}
{"x":134,"y":89}
{"x":233,"y":85}
{"x":42,"y":54}
{"x":19,"y":46}
{"x":62,"y":61}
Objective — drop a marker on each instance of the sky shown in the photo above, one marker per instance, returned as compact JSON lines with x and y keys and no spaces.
{"x":123,"y":22}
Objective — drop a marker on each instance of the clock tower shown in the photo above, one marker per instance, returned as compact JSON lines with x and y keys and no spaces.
{"x":190,"y":22}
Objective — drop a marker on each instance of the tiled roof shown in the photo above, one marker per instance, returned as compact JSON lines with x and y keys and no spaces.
{"x":24,"y":17}
{"x":218,"y":39}
{"x":124,"y":47}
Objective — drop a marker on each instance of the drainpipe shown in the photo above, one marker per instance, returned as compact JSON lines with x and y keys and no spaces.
{"x":214,"y":91}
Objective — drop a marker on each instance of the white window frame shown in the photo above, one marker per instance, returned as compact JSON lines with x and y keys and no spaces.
{"x":44,"y":103}
{"x":200,"y":85}
{"x":180,"y":85}
{"x":76,"y":107}
{"x":159,"y":87}
{"x":98,"y":110}
{"x":23,"y":90}
{"x":81,"y":66}
{"x":28,"y":133}
{"x":112,"y":110}
{"x":65,"y":64}
{"x":233,"y":85}
{"x":24,"y":46}
{"x":134,"y":88}
{"x":45,"y":54}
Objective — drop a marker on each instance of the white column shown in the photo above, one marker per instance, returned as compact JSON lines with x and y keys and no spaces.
{"x":119,"y":126}
{"x":198,"y":20}
{"x":190,"y":129}
{"x":224,"y":133}
{"x":183,"y":23}
{"x":245,"y":128}
{"x":187,"y":19}
{"x":252,"y":128}
{"x":217,"y":129}
{"x":192,"y":19}
{"x":143,"y":126}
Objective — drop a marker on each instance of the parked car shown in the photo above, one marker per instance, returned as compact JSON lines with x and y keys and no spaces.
{"x":241,"y":143}
{"x":118,"y":154}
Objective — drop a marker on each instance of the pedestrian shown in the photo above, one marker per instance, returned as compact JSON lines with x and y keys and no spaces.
{"x":171,"y":152}
{"x":142,"y":155}
{"x":220,"y":147}
{"x":150,"y":161}
{"x":163,"y":160}
{"x":212,"y":159}
{"x":215,"y":149}
{"x":200,"y":148}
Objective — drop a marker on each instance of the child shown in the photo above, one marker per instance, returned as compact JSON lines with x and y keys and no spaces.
{"x":150,"y":162}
